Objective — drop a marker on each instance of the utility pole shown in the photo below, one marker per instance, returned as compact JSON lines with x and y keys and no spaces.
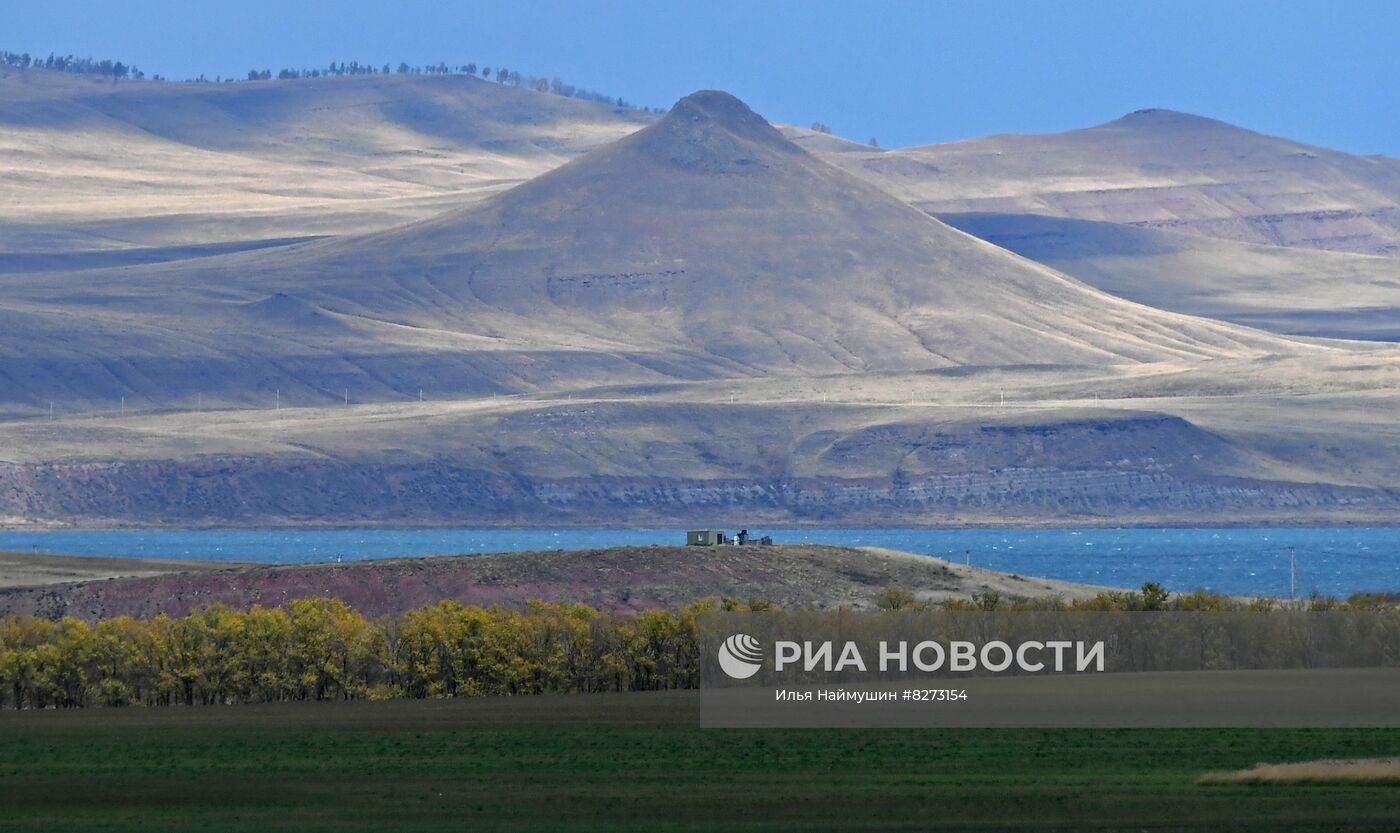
{"x":1292,"y":573}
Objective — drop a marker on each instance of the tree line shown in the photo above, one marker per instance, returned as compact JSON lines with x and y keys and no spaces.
{"x":67,"y":63}
{"x":321,"y":649}
{"x":1152,"y":597}
{"x":117,"y":70}
{"x":500,"y":74}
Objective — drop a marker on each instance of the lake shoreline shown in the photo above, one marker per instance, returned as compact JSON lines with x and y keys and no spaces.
{"x":1010,"y":523}
{"x":1252,"y":561}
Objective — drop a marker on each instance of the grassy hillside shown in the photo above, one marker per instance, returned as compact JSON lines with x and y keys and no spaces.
{"x":624,"y":580}
{"x":1159,"y":169}
{"x":1179,"y":212}
{"x":1284,"y":289}
{"x":143,"y":166}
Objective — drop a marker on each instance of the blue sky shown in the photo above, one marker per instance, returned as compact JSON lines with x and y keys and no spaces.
{"x":906,"y":72}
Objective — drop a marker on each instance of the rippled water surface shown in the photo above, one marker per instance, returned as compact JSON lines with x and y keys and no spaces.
{"x":1335,"y":561}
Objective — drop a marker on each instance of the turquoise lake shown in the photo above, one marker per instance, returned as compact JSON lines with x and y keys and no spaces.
{"x":1334,"y":561}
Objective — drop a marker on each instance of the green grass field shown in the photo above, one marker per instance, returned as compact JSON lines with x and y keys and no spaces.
{"x":639,"y":763}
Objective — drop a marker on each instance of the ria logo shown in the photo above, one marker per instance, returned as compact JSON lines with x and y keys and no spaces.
{"x":741,"y":656}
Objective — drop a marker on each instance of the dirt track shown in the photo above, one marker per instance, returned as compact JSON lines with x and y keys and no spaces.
{"x":23,"y":569}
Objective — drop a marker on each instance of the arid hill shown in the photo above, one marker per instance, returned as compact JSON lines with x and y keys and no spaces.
{"x":704,"y":246}
{"x":1286,"y":289}
{"x":1178,"y":212}
{"x":139,"y":169}
{"x":1159,"y":169}
{"x":700,"y":316}
{"x":137,"y":173}
{"x":624,"y":579}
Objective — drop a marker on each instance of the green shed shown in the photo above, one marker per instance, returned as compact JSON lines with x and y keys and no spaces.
{"x":704,"y":537}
